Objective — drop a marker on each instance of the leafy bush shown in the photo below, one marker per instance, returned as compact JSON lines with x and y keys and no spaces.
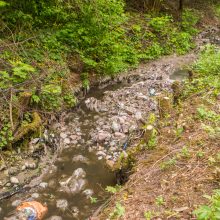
{"x":211,"y":211}
{"x":102,"y":47}
{"x":189,"y":19}
{"x":209,"y":61}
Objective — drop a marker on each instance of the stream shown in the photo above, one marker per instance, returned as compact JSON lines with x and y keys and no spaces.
{"x":92,"y":137}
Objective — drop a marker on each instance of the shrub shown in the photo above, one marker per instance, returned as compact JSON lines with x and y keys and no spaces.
{"x":210,"y":211}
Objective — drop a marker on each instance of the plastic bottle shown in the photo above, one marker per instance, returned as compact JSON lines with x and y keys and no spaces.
{"x":31,"y":211}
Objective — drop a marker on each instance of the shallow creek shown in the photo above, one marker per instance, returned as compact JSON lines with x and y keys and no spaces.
{"x":75,"y":203}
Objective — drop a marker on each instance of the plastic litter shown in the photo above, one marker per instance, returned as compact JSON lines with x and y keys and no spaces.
{"x":31,"y":211}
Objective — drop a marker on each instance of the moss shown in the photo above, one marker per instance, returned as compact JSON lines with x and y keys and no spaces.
{"x":27,"y":128}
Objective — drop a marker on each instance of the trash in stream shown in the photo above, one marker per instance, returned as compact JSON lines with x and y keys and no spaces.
{"x":29,"y":211}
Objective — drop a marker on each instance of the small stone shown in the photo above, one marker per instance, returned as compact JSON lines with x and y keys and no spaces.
{"x":100,"y":153}
{"x":79,"y":173}
{"x":100,"y":158}
{"x":16,"y":203}
{"x":75,"y":211}
{"x":14,"y":180}
{"x":115,"y":126}
{"x":43,"y":185}
{"x":23,"y":167}
{"x":31,"y":165}
{"x":35,"y":195}
{"x":138,"y":116}
{"x":110,"y":163}
{"x":88,"y":193}
{"x":102,"y":136}
{"x":63,"y":135}
{"x":62,"y":204}
{"x":66,"y":141}
{"x":8,"y":184}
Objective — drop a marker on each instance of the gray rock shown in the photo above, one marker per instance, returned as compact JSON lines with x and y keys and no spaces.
{"x":30,"y":165}
{"x":115,"y":126}
{"x":62,"y":204}
{"x":43,"y":185}
{"x":35,"y":195}
{"x":88,"y":193}
{"x":100,"y":158}
{"x":103,"y":135}
{"x":74,"y":186}
{"x":16,"y":203}
{"x":23,"y":168}
{"x":79,"y":173}
{"x":66,"y":141}
{"x":138,"y":116}
{"x":63,"y":135}
{"x":14,"y":180}
{"x":100,"y":153}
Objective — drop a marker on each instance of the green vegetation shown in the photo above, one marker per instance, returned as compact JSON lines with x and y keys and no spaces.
{"x":118,"y":211}
{"x":210,"y":211}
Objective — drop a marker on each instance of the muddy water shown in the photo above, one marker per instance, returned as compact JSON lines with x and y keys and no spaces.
{"x":98,"y":176}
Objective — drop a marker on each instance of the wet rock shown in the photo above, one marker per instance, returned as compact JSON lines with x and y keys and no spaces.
{"x":63,"y":135}
{"x":79,"y":173}
{"x":80,"y":158}
{"x":100,"y":158}
{"x":100,"y":153}
{"x":88,"y":193}
{"x":66,"y":141}
{"x":43,"y":185}
{"x":115,"y":126}
{"x":16,"y":203}
{"x":54,"y":217}
{"x":103,"y":135}
{"x":119,"y":135}
{"x":74,"y":186}
{"x":30,"y":165}
{"x":35,"y":195}
{"x":62,"y":204}
{"x":138,"y":116}
{"x":14,"y":180}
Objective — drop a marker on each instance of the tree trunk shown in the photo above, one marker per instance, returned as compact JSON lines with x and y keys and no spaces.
{"x":181,"y":5}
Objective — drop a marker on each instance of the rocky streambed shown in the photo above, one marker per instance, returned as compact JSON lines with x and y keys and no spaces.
{"x":89,"y":140}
